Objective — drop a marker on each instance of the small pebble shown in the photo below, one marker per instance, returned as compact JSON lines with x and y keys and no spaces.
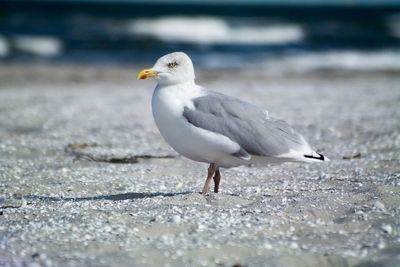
{"x":379,"y":205}
{"x":387,"y":228}
{"x":176,"y":219}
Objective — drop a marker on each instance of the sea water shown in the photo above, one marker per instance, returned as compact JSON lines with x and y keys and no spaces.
{"x":255,"y":34}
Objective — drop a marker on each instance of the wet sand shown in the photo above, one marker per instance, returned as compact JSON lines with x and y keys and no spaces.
{"x":86,"y":179}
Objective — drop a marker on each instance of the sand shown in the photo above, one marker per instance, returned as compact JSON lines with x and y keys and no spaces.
{"x":86,"y":179}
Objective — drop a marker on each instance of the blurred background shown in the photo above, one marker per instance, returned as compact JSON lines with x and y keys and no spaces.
{"x":276,"y":35}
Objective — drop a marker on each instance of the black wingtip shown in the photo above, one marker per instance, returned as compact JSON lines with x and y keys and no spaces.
{"x":321,"y":157}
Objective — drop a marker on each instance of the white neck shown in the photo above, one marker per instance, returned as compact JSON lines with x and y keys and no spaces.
{"x":177,"y":95}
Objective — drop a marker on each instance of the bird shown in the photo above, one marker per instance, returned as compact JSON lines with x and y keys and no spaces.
{"x":217,"y":129}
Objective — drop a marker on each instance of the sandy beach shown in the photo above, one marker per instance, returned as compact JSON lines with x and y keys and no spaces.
{"x":87,"y":180}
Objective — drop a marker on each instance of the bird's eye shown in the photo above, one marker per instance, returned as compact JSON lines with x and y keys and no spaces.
{"x":172,"y":65}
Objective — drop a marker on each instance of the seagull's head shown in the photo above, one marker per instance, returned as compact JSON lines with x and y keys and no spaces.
{"x":170,"y":69}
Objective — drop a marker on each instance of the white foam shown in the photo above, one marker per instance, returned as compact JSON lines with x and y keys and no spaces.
{"x":43,"y":46}
{"x":4,"y":47}
{"x":211,"y":30}
{"x":385,"y":60}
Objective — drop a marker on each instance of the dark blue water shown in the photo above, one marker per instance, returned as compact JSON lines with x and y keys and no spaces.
{"x":215,"y":35}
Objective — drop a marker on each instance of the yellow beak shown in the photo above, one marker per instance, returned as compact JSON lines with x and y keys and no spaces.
{"x":146,"y":73}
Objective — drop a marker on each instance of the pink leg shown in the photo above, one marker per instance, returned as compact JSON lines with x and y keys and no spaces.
{"x":217,"y":179}
{"x":211,"y":171}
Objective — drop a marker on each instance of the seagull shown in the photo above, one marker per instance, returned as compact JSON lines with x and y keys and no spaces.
{"x":217,"y":129}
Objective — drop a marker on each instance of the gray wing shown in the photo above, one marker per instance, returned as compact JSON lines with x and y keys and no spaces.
{"x":249,"y":126}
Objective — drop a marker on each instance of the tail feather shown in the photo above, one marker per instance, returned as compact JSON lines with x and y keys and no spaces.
{"x":316,"y":156}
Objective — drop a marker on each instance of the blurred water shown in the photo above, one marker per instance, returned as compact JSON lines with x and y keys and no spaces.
{"x":278,"y":38}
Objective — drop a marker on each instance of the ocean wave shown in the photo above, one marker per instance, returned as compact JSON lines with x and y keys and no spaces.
{"x":386,"y":60}
{"x":393,"y":22}
{"x":212,"y":30}
{"x":38,"y":45}
{"x":4,"y":47}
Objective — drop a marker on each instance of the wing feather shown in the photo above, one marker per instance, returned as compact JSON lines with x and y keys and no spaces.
{"x":249,"y":126}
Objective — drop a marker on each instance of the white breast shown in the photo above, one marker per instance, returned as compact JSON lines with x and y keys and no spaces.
{"x":168,"y":103}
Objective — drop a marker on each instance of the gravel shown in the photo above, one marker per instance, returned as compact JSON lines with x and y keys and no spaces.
{"x":86,"y":179}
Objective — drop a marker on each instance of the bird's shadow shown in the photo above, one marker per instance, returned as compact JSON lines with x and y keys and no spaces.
{"x":114,"y":197}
